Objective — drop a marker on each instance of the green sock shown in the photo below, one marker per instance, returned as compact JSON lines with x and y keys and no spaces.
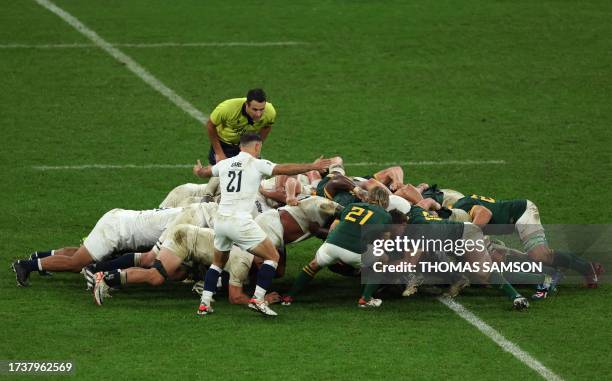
{"x":369,"y":290}
{"x":524,"y":278}
{"x":498,"y":280}
{"x":571,"y":261}
{"x":302,"y":280}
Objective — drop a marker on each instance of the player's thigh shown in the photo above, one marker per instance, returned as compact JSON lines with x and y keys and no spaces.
{"x":269,"y":222}
{"x":103,"y":240}
{"x":170,"y":261}
{"x":247,"y":234}
{"x":529,"y":222}
{"x":329,"y":254}
{"x":266,"y":250}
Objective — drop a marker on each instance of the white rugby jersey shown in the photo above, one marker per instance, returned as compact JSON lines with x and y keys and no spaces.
{"x":239,"y":178}
{"x":399,"y":203}
{"x":142,"y":228}
{"x":311,"y":209}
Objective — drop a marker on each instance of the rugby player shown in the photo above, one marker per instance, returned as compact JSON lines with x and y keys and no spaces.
{"x":295,"y":223}
{"x":240,"y":177}
{"x":186,"y":243}
{"x":118,"y":230}
{"x":438,"y":228}
{"x":200,"y":214}
{"x":523,"y":216}
{"x":344,"y":243}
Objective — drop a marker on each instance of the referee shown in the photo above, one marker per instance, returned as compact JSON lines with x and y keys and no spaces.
{"x":235,"y":117}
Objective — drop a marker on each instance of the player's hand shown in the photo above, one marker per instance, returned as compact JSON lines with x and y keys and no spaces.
{"x":321,"y":163}
{"x":422,"y":186}
{"x":272,"y":297}
{"x":197,"y":168}
{"x":361,"y":194}
{"x":395,"y":186}
{"x":200,"y":171}
{"x":292,"y":201}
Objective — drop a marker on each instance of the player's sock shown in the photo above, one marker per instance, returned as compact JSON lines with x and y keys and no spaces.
{"x":31,"y":264}
{"x":525,"y":278}
{"x":115,"y":278}
{"x":210,"y":284}
{"x":264,"y":278}
{"x":499,"y":281}
{"x":302,"y":280}
{"x":122,"y":262}
{"x":368,"y":291}
{"x":571,"y":261}
{"x":42,"y":254}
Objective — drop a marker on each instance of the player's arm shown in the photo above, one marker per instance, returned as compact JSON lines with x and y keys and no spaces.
{"x":393,"y":177}
{"x":214,"y":140}
{"x":292,"y":188}
{"x":201,"y":171}
{"x":410,"y":193}
{"x":276,"y":195}
{"x":429,"y":204}
{"x":265,"y":131}
{"x":481,"y":215}
{"x":295,"y":169}
{"x":340,"y":183}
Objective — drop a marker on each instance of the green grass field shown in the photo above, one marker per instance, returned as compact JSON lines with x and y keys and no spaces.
{"x":525,"y":84}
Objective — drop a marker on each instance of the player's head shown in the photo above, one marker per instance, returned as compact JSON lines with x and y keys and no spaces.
{"x":397,"y":217}
{"x":379,"y":196}
{"x":398,"y":221}
{"x":255,"y":103}
{"x":251,"y":143}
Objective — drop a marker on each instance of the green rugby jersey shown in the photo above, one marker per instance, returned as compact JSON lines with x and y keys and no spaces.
{"x":343,"y":198}
{"x":349,"y":233}
{"x":431,"y":226}
{"x":504,"y":212}
{"x":434,"y":193}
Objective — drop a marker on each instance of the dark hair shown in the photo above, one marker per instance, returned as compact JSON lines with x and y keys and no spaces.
{"x":397,"y":217}
{"x":250,"y":138}
{"x":256,"y":95}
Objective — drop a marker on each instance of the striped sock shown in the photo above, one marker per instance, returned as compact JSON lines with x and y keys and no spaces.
{"x":303,"y":279}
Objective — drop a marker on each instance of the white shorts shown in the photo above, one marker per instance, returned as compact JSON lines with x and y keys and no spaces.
{"x":529,"y":223}
{"x":269,"y":221}
{"x":451,"y":197}
{"x":241,"y":231}
{"x":328,"y":254}
{"x":104,"y":239}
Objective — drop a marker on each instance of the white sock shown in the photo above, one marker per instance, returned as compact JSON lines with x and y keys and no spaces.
{"x":260,"y":293}
{"x":271,"y":263}
{"x":206,"y":297}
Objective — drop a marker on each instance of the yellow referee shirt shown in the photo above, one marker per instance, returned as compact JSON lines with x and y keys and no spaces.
{"x":232,"y":120}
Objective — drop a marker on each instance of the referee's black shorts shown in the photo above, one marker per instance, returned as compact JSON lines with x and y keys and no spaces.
{"x":230,"y":150}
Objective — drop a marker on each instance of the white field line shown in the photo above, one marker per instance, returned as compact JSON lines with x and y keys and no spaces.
{"x":158,"y":45}
{"x":500,"y":340}
{"x":147,"y":77}
{"x":173,"y":166}
{"x":132,"y":65}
